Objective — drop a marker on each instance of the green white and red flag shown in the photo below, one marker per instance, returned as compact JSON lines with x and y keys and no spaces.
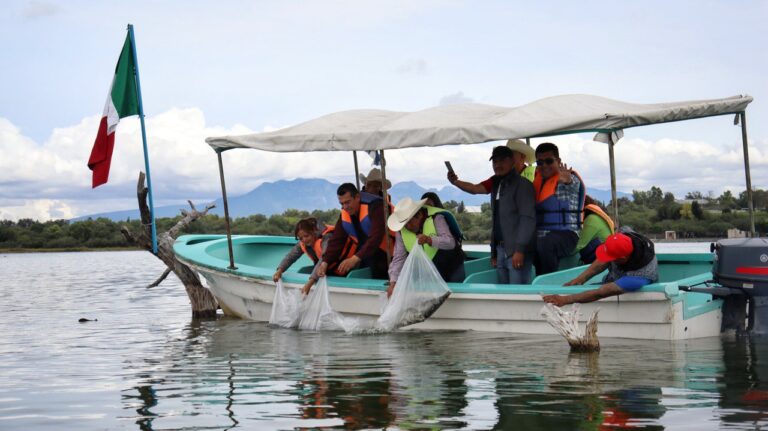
{"x":123,"y":101}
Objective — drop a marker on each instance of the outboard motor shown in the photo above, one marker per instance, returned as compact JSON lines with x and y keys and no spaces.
{"x":742,"y":264}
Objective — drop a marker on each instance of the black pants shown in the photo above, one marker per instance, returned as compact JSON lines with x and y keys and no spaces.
{"x":551,"y":247}
{"x":377,"y":261}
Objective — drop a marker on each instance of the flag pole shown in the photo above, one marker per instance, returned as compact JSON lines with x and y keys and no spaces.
{"x":144,"y":139}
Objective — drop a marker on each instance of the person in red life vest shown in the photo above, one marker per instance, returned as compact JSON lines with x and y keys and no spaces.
{"x":559,"y":202}
{"x":631,"y":262}
{"x":312,"y":242}
{"x":432,"y":228}
{"x":596,"y":228}
{"x":358,"y":238}
{"x":522,"y":159}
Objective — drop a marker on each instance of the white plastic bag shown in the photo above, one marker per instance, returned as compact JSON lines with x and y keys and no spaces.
{"x":285,"y":307}
{"x":316,"y":313}
{"x":290,"y":309}
{"x":419,"y":292}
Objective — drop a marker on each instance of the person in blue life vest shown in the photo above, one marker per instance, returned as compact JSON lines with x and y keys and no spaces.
{"x":312,"y":242}
{"x":358,"y":238}
{"x":560,"y":194}
{"x":631,"y":262}
{"x":434,"y":229}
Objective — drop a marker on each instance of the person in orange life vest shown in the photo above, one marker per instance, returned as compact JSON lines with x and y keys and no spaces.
{"x":312,"y":242}
{"x":358,"y":237}
{"x":596,"y":228}
{"x":631,"y":262}
{"x":522,"y":160}
{"x":559,"y":202}
{"x":432,"y":228}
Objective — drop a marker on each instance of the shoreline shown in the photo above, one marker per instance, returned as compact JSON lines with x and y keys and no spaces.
{"x":64,"y":250}
{"x":87,"y":249}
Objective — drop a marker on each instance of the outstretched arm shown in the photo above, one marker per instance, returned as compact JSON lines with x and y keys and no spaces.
{"x":475,"y":189}
{"x":604,"y":291}
{"x":595,"y":268}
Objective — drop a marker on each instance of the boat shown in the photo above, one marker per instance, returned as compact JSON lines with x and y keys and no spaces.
{"x":238,"y":269}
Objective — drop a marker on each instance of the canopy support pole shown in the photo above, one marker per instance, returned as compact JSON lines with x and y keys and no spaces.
{"x":614,"y":201}
{"x":226,"y":212}
{"x":357,"y":172}
{"x":745,"y":145}
{"x":386,"y":203}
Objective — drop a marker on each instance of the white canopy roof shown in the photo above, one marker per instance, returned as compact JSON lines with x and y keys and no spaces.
{"x":473,"y":123}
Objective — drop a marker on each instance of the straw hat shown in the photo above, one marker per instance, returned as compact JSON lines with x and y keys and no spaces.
{"x":404,"y":211}
{"x":374,"y":175}
{"x":523,"y":148}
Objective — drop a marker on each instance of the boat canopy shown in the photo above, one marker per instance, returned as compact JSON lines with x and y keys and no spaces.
{"x":474,"y":123}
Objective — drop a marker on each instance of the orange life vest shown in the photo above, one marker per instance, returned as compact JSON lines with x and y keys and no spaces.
{"x":365,"y":224}
{"x":600,"y":213}
{"x":317,"y":247}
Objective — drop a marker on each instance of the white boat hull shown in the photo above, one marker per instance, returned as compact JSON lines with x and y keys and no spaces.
{"x":644,"y":315}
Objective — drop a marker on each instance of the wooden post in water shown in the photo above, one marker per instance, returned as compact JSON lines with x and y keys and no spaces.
{"x":745,"y":146}
{"x":200,"y":299}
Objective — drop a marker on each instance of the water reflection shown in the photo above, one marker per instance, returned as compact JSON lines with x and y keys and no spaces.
{"x":230,"y":374}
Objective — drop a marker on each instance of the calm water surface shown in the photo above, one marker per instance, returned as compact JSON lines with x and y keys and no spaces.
{"x":146,"y":365}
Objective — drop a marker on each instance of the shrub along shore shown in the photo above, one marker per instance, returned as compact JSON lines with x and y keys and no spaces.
{"x":652,"y":212}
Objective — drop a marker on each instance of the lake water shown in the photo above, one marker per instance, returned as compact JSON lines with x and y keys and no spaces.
{"x":145,"y":364}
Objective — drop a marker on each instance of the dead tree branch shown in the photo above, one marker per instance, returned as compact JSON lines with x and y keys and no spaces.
{"x":202,"y":301}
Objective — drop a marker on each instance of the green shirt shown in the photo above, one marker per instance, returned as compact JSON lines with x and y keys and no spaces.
{"x":594,"y":227}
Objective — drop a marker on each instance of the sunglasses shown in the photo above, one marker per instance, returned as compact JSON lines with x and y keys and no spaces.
{"x":547,"y":161}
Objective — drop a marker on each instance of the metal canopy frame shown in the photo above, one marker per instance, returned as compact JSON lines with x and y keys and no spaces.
{"x":741,"y":118}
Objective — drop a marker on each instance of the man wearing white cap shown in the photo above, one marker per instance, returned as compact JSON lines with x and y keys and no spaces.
{"x":434,"y":229}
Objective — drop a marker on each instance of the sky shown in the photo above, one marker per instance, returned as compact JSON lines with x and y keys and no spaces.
{"x":211,"y":68}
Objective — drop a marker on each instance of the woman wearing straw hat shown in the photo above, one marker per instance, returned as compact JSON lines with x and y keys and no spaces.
{"x":434,"y":229}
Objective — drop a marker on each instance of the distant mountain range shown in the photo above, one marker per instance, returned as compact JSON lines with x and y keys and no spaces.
{"x":308,"y":194}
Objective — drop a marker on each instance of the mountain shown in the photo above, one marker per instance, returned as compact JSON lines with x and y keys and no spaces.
{"x":308,"y":194}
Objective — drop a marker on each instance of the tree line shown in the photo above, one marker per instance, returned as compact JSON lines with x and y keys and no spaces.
{"x":651,"y":212}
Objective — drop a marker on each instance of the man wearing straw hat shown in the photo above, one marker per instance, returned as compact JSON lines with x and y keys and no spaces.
{"x":373,"y":183}
{"x":434,"y":229}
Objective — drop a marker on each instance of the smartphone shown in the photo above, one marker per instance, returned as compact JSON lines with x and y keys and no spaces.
{"x":448,"y":165}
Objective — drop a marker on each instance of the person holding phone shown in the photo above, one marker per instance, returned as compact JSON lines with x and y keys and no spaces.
{"x":513,"y":205}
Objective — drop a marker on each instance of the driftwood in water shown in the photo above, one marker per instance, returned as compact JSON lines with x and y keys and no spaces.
{"x":566,"y":323}
{"x":202,"y":301}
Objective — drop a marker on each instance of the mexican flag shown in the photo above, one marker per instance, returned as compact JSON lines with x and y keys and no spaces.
{"x":123,"y":101}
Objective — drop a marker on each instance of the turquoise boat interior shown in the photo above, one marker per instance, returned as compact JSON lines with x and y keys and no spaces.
{"x":257,"y":257}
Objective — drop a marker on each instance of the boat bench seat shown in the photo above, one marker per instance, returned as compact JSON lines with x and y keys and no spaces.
{"x":482,"y":277}
{"x":477,"y":265}
{"x":360,"y":273}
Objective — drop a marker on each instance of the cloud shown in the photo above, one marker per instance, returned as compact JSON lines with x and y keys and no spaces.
{"x":455,"y":98}
{"x":51,"y":180}
{"x":39,"y":9}
{"x":415,"y":66}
